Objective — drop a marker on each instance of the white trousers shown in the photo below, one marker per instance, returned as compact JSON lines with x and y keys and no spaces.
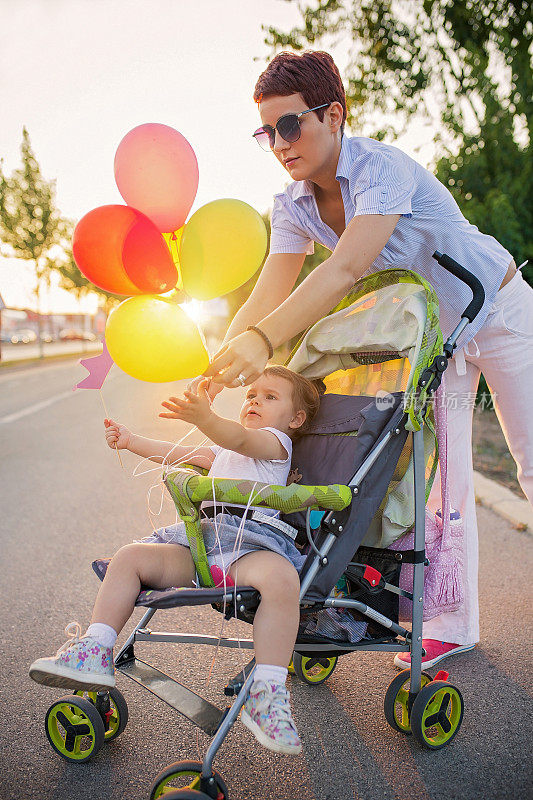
{"x":503,"y":351}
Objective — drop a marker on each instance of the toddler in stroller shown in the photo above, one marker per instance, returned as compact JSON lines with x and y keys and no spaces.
{"x":258,"y":551}
{"x":368,"y":460}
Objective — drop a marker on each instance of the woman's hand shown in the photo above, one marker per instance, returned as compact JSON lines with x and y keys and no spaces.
{"x":117,"y":435}
{"x":246,"y":355}
{"x":196,"y":408}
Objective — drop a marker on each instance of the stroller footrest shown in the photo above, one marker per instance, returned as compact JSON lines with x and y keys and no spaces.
{"x":235,"y":685}
{"x":204,"y":714}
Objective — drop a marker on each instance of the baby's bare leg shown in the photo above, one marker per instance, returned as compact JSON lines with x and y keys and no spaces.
{"x":154,"y":565}
{"x":276,"y":620}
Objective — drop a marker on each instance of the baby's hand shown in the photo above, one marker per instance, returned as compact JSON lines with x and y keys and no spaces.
{"x":212,"y":388}
{"x":195,"y":408}
{"x":117,"y":435}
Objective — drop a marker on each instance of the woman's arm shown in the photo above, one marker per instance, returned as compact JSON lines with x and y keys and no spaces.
{"x":357,"y":249}
{"x":273,"y":286}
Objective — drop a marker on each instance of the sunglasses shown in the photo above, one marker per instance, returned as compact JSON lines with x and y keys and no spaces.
{"x":288,"y":127}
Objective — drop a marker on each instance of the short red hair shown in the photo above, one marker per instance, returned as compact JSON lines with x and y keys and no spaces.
{"x":313,"y":75}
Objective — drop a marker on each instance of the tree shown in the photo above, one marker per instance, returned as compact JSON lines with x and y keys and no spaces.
{"x":450,"y":61}
{"x":30,"y":223}
{"x":490,"y":177}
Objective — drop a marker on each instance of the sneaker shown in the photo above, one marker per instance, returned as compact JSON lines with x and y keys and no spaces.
{"x":78,"y":664}
{"x":435,"y":652}
{"x":267,"y":713}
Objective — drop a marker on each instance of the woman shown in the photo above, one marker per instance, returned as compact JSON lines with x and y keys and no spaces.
{"x":376,"y":208}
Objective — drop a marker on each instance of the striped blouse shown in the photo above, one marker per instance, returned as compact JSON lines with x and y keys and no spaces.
{"x":377,"y":178}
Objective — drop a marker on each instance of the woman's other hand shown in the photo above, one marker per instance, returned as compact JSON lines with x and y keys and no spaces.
{"x":117,"y":435}
{"x":246,"y":355}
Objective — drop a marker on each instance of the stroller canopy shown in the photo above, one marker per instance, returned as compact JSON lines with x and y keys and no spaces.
{"x":389,"y":316}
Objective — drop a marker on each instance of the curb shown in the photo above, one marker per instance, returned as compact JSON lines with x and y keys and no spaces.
{"x":504,"y":502}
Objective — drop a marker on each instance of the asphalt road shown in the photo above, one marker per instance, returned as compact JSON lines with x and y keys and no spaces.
{"x":66,"y":500}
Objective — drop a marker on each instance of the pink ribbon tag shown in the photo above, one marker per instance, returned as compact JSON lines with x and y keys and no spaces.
{"x":98,"y":367}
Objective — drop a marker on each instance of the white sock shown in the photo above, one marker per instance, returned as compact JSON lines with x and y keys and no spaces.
{"x":271,"y":673}
{"x":104,"y":634}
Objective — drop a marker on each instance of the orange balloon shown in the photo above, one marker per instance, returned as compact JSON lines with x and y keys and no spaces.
{"x":120,"y":250}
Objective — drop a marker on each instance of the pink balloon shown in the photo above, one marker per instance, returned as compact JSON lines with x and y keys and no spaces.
{"x":157,"y":172}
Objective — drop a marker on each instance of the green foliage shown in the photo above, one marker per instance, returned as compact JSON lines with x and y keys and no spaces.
{"x":407,"y":54}
{"x":30,"y":224}
{"x":490,"y":178}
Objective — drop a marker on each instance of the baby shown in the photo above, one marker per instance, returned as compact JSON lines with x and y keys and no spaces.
{"x":279,"y":405}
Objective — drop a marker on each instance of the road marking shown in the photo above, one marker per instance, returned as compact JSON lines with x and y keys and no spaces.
{"x":36,"y":407}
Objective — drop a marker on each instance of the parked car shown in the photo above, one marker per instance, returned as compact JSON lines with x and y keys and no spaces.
{"x":23,"y":336}
{"x":46,"y":337}
{"x":72,"y":334}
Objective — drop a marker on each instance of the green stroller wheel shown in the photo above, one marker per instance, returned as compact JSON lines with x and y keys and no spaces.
{"x":117,"y":716}
{"x":396,"y":701}
{"x":290,"y":668}
{"x":437,"y":714}
{"x":313,"y":669}
{"x":184,"y":776}
{"x":74,"y":728}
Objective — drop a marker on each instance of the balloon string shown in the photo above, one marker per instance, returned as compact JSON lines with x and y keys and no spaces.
{"x":107,"y":417}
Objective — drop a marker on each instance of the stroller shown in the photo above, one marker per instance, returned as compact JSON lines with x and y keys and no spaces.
{"x":378,"y":357}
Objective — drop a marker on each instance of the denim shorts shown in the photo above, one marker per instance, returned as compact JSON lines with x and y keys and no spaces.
{"x":227,"y":538}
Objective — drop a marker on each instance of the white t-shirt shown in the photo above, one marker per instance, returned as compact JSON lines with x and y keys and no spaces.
{"x":229,"y":464}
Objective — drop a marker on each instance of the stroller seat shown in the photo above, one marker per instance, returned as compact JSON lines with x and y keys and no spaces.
{"x":175,"y":596}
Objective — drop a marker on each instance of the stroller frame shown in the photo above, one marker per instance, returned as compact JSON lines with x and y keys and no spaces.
{"x":244,"y":600}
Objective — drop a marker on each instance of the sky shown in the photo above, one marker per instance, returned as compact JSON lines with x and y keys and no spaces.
{"x":79,"y":74}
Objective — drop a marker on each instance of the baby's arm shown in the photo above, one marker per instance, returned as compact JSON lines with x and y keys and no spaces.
{"x":224,"y":432}
{"x":155,"y":450}
{"x":252,"y":443}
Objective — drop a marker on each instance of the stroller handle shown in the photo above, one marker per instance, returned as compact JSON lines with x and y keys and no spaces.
{"x":473,"y":309}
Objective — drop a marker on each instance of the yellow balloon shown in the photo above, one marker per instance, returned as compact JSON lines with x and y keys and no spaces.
{"x":153,"y":339}
{"x":222,"y":246}
{"x":173,"y":241}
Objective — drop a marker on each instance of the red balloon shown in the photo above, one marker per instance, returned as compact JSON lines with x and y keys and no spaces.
{"x":120,"y":250}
